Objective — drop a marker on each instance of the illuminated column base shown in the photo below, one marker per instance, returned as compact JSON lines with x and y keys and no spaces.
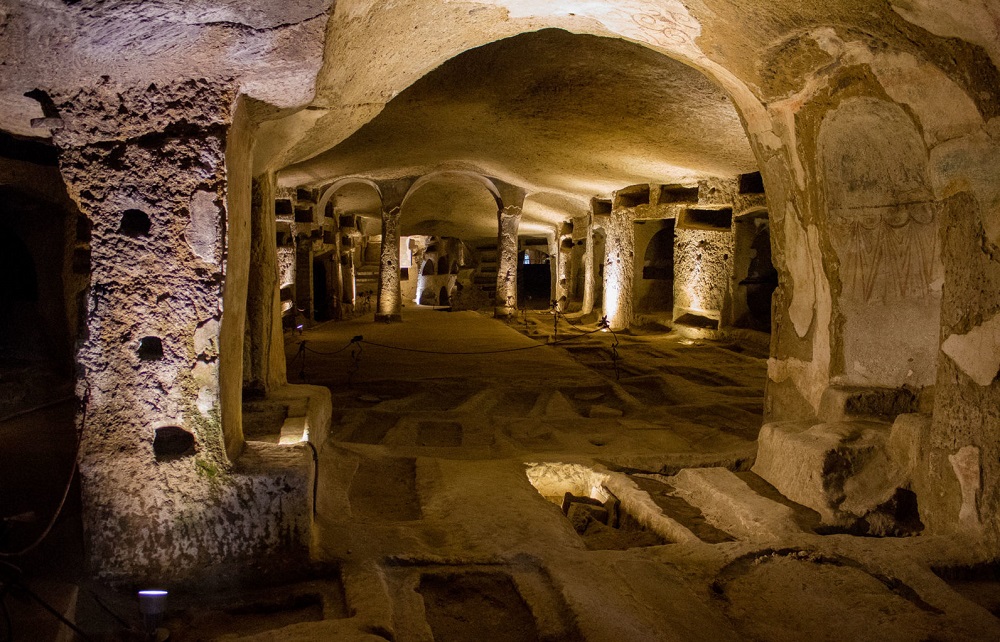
{"x":508,"y":221}
{"x":389,"y":303}
{"x":619,"y":270}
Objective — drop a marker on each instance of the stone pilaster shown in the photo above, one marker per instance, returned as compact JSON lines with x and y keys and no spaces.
{"x":508,"y":221}
{"x":389,"y":303}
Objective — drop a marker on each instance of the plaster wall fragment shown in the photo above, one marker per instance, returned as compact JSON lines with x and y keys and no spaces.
{"x":203,"y":228}
{"x":977,"y":352}
{"x":966,"y":466}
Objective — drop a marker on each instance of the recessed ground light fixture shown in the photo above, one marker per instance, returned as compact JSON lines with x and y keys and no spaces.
{"x":152,"y":605}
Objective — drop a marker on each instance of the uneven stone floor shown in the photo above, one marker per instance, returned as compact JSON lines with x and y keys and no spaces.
{"x":440,"y":488}
{"x":440,"y":491}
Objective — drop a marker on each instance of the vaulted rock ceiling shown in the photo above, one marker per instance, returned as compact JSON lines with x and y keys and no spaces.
{"x":556,"y":113}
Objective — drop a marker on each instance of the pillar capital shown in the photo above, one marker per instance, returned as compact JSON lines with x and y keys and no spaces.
{"x":510,"y":211}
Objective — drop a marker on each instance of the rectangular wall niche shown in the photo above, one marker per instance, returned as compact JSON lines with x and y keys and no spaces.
{"x":707,"y":219}
{"x":752,"y":183}
{"x":670,"y":194}
{"x":634,"y":198}
{"x":601,"y":207}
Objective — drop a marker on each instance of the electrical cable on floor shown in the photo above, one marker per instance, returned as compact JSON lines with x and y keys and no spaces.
{"x":28,"y":411}
{"x":15,"y":581}
{"x":65,"y":495}
{"x":355,"y":360}
{"x":338,"y":351}
{"x":4,"y":589}
{"x":615,"y":357}
{"x":107,"y":609}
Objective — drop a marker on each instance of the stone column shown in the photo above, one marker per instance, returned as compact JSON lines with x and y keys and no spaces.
{"x":350,"y":285}
{"x":337,"y":265}
{"x":304,"y":279}
{"x":389,"y":302}
{"x":564,"y":264}
{"x":508,"y":221}
{"x":619,"y":272}
{"x":589,"y":281}
{"x":164,"y":174}
{"x":264,"y":352}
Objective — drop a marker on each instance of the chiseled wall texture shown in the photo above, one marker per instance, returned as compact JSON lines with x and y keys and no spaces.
{"x":160,"y":515}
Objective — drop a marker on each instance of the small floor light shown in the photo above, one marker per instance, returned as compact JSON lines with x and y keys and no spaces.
{"x":152,"y":605}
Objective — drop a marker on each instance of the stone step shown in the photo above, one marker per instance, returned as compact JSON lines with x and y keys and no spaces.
{"x":843,"y":470}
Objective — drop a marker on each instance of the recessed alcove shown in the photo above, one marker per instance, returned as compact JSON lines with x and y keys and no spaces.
{"x":135,"y":224}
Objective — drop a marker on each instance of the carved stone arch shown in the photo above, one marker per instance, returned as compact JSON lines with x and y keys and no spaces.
{"x":341,"y":182}
{"x":444,"y":174}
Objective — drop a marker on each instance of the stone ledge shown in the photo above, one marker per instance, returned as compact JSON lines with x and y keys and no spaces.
{"x":729,"y":504}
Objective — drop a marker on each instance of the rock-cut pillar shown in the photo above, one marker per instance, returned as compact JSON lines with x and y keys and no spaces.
{"x":508,"y":222}
{"x":589,"y":279}
{"x":389,"y":302}
{"x":619,"y":271}
{"x":169,"y":487}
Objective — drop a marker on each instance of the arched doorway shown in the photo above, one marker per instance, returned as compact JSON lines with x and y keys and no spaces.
{"x":443,"y":297}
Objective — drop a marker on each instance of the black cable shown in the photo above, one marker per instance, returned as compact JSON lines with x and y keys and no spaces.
{"x":338,"y":351}
{"x":355,"y":360}
{"x":107,"y":609}
{"x":614,"y":348}
{"x":15,"y":580}
{"x":65,"y":495}
{"x":28,"y":411}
